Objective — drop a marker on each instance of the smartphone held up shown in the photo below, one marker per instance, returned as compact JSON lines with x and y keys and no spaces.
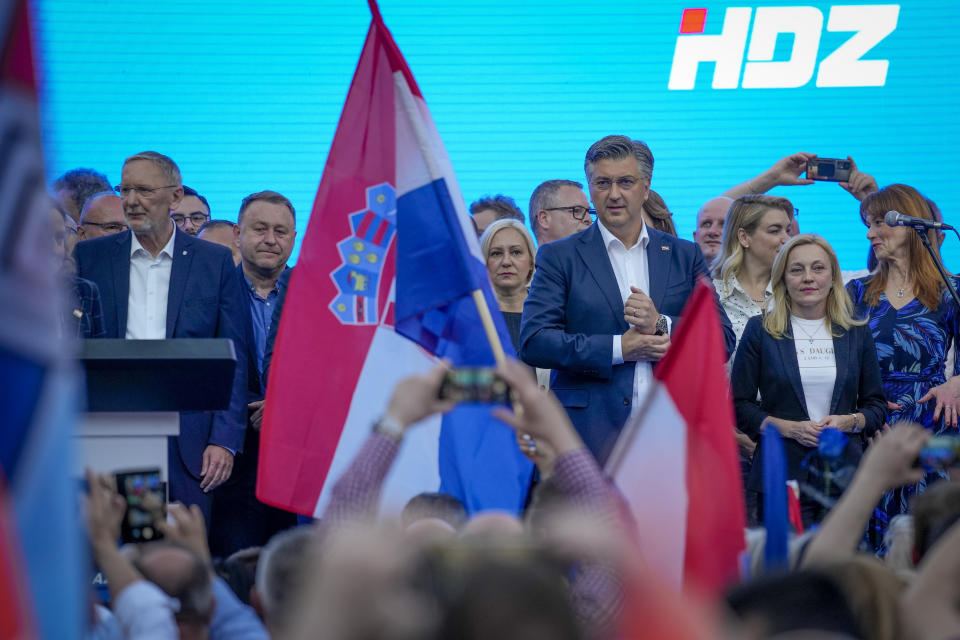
{"x":146,"y":497}
{"x":478,"y":385}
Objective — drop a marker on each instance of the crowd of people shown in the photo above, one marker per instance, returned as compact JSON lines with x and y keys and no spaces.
{"x":591,"y":299}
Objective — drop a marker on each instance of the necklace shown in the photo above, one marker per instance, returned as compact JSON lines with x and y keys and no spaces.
{"x":810,"y":337}
{"x":762,"y":301}
{"x":900,"y":292}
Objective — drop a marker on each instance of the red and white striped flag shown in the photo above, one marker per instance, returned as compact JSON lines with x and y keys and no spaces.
{"x":676,"y":460}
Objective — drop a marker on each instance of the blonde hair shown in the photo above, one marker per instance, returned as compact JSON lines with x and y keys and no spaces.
{"x":926,"y":277}
{"x":745,"y":213}
{"x":508,"y":223}
{"x":839,"y":304}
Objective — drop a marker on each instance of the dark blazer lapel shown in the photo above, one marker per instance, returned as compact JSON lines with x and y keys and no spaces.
{"x":841,"y":353}
{"x":120,"y":266}
{"x":659,"y":251}
{"x":788,"y":356}
{"x":179,"y":272}
{"x":594,"y":255}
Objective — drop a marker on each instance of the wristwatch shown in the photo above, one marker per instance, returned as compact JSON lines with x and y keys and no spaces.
{"x":389,"y":426}
{"x":661,"y":325}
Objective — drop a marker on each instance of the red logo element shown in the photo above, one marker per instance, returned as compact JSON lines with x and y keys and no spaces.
{"x":693,"y":20}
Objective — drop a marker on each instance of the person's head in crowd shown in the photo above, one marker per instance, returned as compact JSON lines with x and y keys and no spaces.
{"x":221,"y":232}
{"x":434,"y":505}
{"x":754,"y":231}
{"x":71,"y":233}
{"x":59,"y":233}
{"x":150,"y":188}
{"x":502,"y":592}
{"x":508,"y":248}
{"x":657,"y":215}
{"x":558,"y":208}
{"x":183,"y":575}
{"x":491,"y":208}
{"x":807,"y":282}
{"x":192,"y":212}
{"x":804,"y":601}
{"x":239,"y":571}
{"x":709,"y":231}
{"x":280,"y":576}
{"x":934,"y":512}
{"x":872,"y":592}
{"x":618,"y":173}
{"x":265,"y":232}
{"x":900,"y":247}
{"x":102,"y":215}
{"x":492,"y":523}
{"x":74,"y":187}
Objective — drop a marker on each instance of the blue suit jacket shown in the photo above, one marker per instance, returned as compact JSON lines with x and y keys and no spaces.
{"x":768,"y":365}
{"x":205,"y":300}
{"x":573,"y":311}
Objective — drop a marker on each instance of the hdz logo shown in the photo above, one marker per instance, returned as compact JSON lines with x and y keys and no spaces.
{"x":845,"y":67}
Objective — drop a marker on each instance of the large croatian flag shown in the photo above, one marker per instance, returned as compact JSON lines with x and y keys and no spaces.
{"x":382,"y":288}
{"x":676,"y":460}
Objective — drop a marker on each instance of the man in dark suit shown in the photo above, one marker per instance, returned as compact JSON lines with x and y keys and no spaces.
{"x":157,"y":282}
{"x":265,"y":233}
{"x":604,"y":301}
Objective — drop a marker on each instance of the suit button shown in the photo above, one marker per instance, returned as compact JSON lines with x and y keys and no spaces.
{"x":626,"y":402}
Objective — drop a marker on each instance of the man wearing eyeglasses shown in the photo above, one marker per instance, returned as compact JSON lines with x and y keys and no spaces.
{"x":192,"y":211}
{"x":102,"y":215}
{"x":158,"y":282}
{"x":603,"y":302}
{"x":559,"y":208}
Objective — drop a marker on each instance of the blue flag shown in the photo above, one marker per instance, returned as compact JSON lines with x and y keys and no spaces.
{"x":439,"y":266}
{"x":775,"y":517}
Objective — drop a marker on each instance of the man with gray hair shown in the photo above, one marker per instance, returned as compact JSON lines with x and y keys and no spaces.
{"x":603,"y":302}
{"x":280,"y":576}
{"x":558,"y":208}
{"x":158,"y":282}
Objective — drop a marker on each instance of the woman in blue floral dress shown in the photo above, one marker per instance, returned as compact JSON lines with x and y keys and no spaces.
{"x":914,"y":321}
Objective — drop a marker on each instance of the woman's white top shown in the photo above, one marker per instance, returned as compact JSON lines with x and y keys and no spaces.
{"x":818,"y":366}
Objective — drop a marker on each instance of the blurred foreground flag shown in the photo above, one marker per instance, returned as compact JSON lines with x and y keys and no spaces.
{"x":41,"y":573}
{"x":676,"y":459}
{"x":382,"y":287}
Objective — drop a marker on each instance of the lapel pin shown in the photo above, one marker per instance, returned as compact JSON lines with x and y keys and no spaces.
{"x":77,"y":314}
{"x":184,"y":252}
{"x":664,"y":247}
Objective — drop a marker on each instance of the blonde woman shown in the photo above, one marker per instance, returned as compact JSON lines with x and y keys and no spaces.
{"x":508,"y":248}
{"x":813,"y":364}
{"x":755,"y":229}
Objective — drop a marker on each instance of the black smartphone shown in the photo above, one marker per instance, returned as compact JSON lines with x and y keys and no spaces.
{"x":829,"y":169}
{"x":941,"y":452}
{"x":146,"y":498}
{"x":478,"y":385}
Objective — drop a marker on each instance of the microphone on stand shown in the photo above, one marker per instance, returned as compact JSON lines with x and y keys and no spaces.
{"x":897,"y":219}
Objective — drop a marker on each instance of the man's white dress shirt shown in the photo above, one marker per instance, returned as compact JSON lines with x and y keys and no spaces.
{"x":149,"y":286}
{"x":631,"y":268}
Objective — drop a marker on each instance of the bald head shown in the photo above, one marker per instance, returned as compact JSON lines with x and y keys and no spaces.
{"x":709,"y":231}
{"x":493,"y":523}
{"x":183,"y":575}
{"x":102,"y":215}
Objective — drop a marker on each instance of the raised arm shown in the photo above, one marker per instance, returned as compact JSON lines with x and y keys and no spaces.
{"x":784,"y":172}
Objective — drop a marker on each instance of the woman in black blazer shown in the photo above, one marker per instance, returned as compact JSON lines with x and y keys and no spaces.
{"x":813,"y":364}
